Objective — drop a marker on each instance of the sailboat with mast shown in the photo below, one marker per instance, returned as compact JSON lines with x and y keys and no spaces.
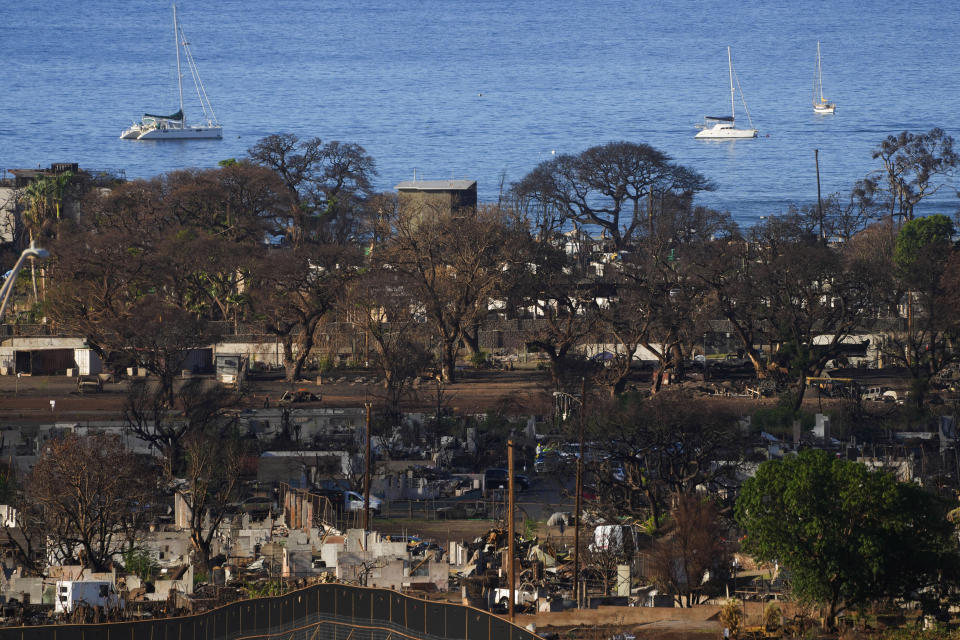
{"x":820,"y":105}
{"x":724,"y":127}
{"x":174,"y":126}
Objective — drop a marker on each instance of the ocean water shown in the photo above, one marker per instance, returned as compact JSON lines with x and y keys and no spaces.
{"x":486,"y":90}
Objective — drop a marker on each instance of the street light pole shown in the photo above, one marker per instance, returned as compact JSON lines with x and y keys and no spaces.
{"x":32,"y":252}
{"x":366,"y":475}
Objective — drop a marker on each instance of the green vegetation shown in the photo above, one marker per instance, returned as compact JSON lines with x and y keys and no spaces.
{"x":778,"y":420}
{"x":848,"y":535}
{"x":140,"y":563}
{"x":264,"y":589}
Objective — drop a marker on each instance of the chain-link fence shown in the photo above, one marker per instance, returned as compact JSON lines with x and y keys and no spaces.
{"x":320,"y":612}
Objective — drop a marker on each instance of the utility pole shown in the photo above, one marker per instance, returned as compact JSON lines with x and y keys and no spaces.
{"x":576,"y":531}
{"x":366,"y":475}
{"x":510,"y":531}
{"x":816,"y":161}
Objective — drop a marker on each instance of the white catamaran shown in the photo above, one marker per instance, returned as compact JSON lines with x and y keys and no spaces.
{"x":820,"y":105}
{"x":723,"y":127}
{"x":174,"y":127}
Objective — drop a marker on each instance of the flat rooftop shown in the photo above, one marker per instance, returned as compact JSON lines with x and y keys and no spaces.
{"x":436,"y":185}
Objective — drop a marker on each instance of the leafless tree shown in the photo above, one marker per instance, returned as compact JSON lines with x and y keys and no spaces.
{"x":646,"y":451}
{"x":327,"y":183}
{"x":293,"y":291}
{"x":86,"y":489}
{"x":210,"y":484}
{"x":915,"y":166}
{"x":198,"y":406}
{"x":453,"y":263}
{"x":555,"y":290}
{"x":380,"y":305}
{"x":690,"y":550}
{"x":812,"y":296}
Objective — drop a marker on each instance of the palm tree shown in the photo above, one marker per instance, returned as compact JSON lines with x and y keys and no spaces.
{"x":37,"y":194}
{"x":58,"y":189}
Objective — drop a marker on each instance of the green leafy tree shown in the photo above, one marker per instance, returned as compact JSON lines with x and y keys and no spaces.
{"x":927,"y":279}
{"x":846,"y":534}
{"x":917,"y":240}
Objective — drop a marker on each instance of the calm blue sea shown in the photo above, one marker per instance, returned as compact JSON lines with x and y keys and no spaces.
{"x":486,"y":90}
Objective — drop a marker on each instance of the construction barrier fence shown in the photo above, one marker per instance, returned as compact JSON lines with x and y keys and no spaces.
{"x":319,"y":612}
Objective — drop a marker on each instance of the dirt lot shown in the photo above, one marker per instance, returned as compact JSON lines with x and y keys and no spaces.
{"x":28,"y":399}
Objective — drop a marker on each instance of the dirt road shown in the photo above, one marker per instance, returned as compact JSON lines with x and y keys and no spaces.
{"x":44,"y":399}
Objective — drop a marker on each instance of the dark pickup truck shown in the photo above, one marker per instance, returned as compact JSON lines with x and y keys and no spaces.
{"x":462,"y":510}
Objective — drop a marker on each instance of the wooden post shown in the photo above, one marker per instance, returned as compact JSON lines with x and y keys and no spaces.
{"x":579,"y":484}
{"x":510,"y":532}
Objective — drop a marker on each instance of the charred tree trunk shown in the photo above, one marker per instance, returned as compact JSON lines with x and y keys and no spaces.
{"x":291,"y":372}
{"x":799,"y":391}
{"x":448,"y":361}
{"x":471,"y":338}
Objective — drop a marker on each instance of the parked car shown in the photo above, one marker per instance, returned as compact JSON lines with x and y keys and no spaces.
{"x":498,"y":479}
{"x":353,"y":501}
{"x":462,"y":510}
{"x":874,"y":393}
{"x":522,"y":597}
{"x":891,"y":396}
{"x":89,"y":383}
{"x":259,"y":505}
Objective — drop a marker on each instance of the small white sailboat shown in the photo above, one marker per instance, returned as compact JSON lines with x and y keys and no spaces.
{"x":174,"y":126}
{"x":820,"y":104}
{"x":724,"y":127}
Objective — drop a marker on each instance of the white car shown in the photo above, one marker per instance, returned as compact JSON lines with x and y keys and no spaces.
{"x":354,"y":502}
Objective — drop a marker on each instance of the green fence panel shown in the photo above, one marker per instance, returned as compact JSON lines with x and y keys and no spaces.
{"x":356,"y":610}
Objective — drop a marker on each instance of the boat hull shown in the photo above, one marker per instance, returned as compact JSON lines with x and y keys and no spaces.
{"x":132,"y":133}
{"x":725,"y":132}
{"x":185,"y":133}
{"x":824,"y":109}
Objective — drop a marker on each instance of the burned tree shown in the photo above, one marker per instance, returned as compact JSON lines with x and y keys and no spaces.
{"x":210,"y":483}
{"x":452,"y":264}
{"x":86,"y":489}
{"x":691,"y":549}
{"x":649,"y":450}
{"x":379,"y":304}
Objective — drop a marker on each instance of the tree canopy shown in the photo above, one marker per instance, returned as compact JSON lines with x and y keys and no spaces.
{"x":617,"y":187}
{"x":847,"y":535}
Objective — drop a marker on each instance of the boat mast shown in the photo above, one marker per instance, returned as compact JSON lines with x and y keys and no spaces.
{"x":176,"y":38}
{"x":730,"y":69}
{"x":819,"y":73}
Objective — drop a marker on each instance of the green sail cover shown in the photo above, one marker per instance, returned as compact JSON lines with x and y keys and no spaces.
{"x":177,"y":116}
